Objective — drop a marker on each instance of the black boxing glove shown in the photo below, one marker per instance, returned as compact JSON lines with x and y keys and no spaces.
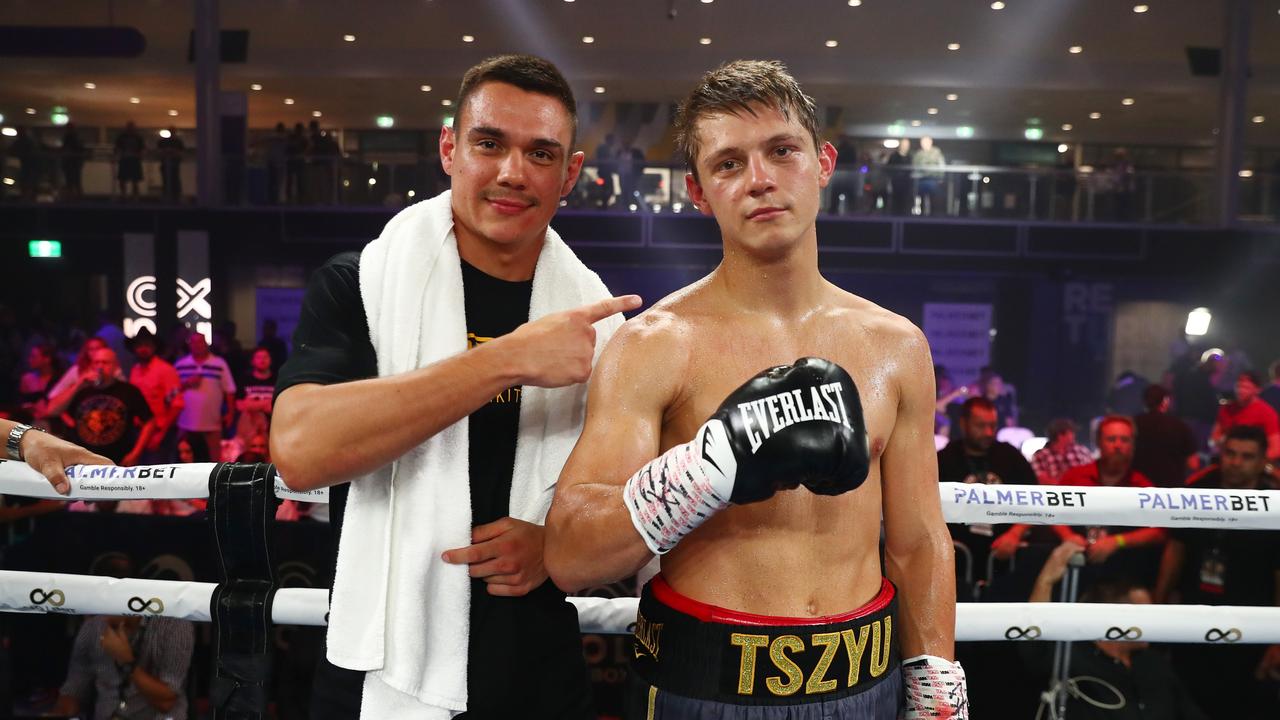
{"x":788,"y":426}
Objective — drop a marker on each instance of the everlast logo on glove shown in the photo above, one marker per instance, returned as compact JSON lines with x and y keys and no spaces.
{"x":780,"y":411}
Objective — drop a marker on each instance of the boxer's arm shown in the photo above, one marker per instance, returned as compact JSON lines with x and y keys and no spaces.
{"x":590,"y":536}
{"x":918,"y":550}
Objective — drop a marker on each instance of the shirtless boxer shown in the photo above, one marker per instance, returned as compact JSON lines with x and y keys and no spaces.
{"x":770,"y":594}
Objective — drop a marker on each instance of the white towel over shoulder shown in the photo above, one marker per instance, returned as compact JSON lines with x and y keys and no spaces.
{"x":399,"y":611}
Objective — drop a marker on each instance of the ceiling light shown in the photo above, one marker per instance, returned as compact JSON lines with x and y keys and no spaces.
{"x":255,"y":87}
{"x":1062,"y":147}
{"x":166,"y":134}
{"x":373,"y":181}
{"x":31,"y":111}
{"x":59,"y":117}
{"x":599,"y":89}
{"x":424,"y":88}
{"x":997,"y":5}
{"x":1066,"y":127}
{"x":1140,"y":9}
{"x":135,"y":100}
{"x":411,"y":193}
{"x":1033,"y":133}
{"x":588,"y":39}
{"x":707,"y":2}
{"x":288,"y":101}
{"x":704,"y":41}
{"x":316,"y":113}
{"x":1198,"y":321}
{"x":9,"y":132}
{"x":1126,"y":101}
{"x":952,"y":97}
{"x":855,"y":3}
{"x":964,"y":131}
{"x":385,"y":121}
{"x":468,"y":38}
{"x":1259,"y":118}
{"x":349,"y":38}
{"x":446,"y":102}
{"x":916,"y":123}
{"x":11,"y":181}
{"x":90,"y":86}
{"x":1075,"y":49}
{"x":932,"y":111}
{"x":173,"y":113}
{"x":1246,"y":173}
{"x":832,"y":43}
{"x":953,"y":46}
{"x":891,"y":143}
{"x":1095,"y":116}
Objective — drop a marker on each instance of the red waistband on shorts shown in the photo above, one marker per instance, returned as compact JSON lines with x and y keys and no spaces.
{"x":663,"y":593}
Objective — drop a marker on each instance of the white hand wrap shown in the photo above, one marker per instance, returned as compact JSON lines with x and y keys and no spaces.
{"x":934,"y":688}
{"x":675,"y":492}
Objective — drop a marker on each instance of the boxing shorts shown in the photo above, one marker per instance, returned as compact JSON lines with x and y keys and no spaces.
{"x":693,"y":660}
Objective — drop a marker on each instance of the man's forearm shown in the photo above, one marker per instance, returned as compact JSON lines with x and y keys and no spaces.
{"x":591,"y":539}
{"x":144,"y":437}
{"x":156,"y":691}
{"x":1143,"y":537}
{"x":925,"y":576}
{"x":328,"y":434}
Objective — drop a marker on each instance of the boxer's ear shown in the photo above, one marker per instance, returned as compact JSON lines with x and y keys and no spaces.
{"x":448,"y":143}
{"x":826,"y":163}
{"x":696,"y":195}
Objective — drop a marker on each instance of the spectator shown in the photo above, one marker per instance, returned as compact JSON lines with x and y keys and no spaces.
{"x":1194,"y":396}
{"x":295,"y":166}
{"x":254,"y":396}
{"x":606,"y":165}
{"x":273,"y":344}
{"x":1212,"y":566}
{"x":1002,"y":396}
{"x":1132,"y":547}
{"x":206,"y":383}
{"x":66,"y":386}
{"x":1144,"y":679}
{"x":128,"y":667}
{"x":1124,"y":181}
{"x":171,"y":149}
{"x":159,"y":384}
{"x":323,"y":152}
{"x":110,"y":416}
{"x":979,"y":458}
{"x":1249,"y":409}
{"x":277,"y":157}
{"x":33,"y":387}
{"x":899,"y":163}
{"x":1125,"y":395}
{"x":73,"y":154}
{"x":110,"y":332}
{"x":128,"y":152}
{"x":929,"y":182}
{"x":27,"y":152}
{"x":1271,"y":394}
{"x":947,"y":411}
{"x":1061,"y":454}
{"x":227,"y":346}
{"x":1164,"y":449}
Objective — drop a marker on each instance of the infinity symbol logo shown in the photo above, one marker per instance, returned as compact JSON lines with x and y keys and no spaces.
{"x":1115,"y":633}
{"x":1229,"y":636}
{"x":54,"y":597}
{"x":1016,"y":633}
{"x":155,"y":606}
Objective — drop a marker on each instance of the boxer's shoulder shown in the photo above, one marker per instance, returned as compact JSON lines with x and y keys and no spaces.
{"x":888,"y":330}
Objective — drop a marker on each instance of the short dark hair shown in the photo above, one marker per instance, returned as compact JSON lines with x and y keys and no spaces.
{"x":1153,"y":396}
{"x":1251,"y":376}
{"x":527,"y":72}
{"x":1114,"y":419}
{"x":1059,"y":427}
{"x":980,"y":403}
{"x":1110,"y":590}
{"x":1248,"y":433}
{"x":733,"y":88}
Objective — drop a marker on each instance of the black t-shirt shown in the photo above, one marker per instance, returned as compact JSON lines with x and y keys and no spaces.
{"x":1161,"y":445}
{"x":1227,"y":567}
{"x":108,"y":419}
{"x":249,"y":386}
{"x":525,"y":654}
{"x":1002,"y":465}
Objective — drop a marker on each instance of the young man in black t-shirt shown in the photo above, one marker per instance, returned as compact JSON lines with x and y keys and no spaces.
{"x":510,"y":159}
{"x":255,"y":391}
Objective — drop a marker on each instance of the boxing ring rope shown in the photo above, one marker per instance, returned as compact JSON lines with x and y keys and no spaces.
{"x":242,"y":500}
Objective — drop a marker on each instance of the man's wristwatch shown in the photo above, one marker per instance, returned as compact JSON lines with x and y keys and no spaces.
{"x":13,"y":446}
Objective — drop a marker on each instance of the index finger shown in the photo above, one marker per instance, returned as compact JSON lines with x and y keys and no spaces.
{"x":609,"y":306}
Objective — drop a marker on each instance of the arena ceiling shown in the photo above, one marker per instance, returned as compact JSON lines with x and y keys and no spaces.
{"x":890,"y":61}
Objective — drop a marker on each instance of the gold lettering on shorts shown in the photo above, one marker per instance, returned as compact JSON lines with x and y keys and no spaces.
{"x":747,"y":665}
{"x":778,"y":654}
{"x":817,"y":683}
{"x":879,"y":656}
{"x":854,"y":649}
{"x":647,"y":635}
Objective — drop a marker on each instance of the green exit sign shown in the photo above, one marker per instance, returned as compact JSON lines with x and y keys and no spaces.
{"x":44,"y":248}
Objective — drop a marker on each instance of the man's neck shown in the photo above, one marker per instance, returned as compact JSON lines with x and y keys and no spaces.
{"x":1111,"y":476}
{"x":262,"y":374}
{"x":787,"y":286}
{"x":505,"y":261}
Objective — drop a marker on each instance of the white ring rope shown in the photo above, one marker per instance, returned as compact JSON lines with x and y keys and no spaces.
{"x":189,"y":481}
{"x":32,"y":592}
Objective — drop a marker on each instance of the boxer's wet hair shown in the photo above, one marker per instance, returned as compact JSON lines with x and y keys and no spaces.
{"x":527,"y":72}
{"x":736,"y":87}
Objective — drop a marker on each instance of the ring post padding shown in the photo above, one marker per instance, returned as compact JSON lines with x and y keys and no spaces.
{"x":242,"y":514}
